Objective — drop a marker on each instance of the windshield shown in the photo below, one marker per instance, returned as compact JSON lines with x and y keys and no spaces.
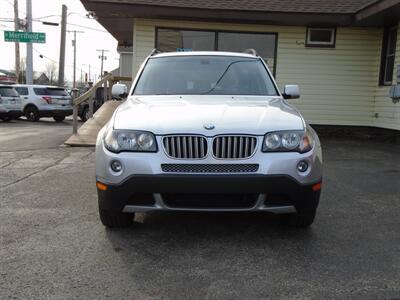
{"x":205,"y":75}
{"x":50,"y":92}
{"x":8,"y":92}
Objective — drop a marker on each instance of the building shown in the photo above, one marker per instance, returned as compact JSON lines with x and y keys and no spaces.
{"x":7,"y":77}
{"x":342,"y":53}
{"x":42,"y":80}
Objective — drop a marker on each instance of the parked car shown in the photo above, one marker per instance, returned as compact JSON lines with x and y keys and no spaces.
{"x":45,"y":101}
{"x":208,"y":131}
{"x":10,"y":103}
{"x":119,"y":92}
{"x":98,"y":100}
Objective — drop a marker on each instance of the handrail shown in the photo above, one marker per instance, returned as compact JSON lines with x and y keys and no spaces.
{"x":85,"y":96}
{"x":107,"y":82}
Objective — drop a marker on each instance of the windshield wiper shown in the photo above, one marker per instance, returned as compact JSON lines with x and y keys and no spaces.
{"x":222,"y":76}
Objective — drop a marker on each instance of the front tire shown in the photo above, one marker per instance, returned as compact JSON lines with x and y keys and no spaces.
{"x":32,"y":114}
{"x":85,"y":114}
{"x":116,"y":219}
{"x":59,"y":118}
{"x":298,"y":220}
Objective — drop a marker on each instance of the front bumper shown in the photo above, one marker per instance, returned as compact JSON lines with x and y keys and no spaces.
{"x":11,"y":114}
{"x":272,"y":193}
{"x":143,"y":185}
{"x":55,"y":112}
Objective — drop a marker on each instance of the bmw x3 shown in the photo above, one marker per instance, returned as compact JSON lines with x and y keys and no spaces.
{"x":208,"y":131}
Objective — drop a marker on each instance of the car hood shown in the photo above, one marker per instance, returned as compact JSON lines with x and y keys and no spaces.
{"x":190,"y":114}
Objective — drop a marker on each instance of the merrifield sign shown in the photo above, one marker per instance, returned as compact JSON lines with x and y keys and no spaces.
{"x":25,"y":37}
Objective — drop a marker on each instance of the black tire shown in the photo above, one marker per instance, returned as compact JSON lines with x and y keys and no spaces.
{"x":32,"y":114}
{"x":298,"y":220}
{"x":115,"y":219}
{"x":85,"y":114}
{"x":59,"y":118}
{"x":6,"y":119}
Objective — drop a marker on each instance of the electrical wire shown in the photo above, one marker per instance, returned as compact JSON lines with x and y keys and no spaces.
{"x":86,"y":27}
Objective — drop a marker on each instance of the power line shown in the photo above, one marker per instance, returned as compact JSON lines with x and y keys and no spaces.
{"x":41,"y":55}
{"x":86,"y":27}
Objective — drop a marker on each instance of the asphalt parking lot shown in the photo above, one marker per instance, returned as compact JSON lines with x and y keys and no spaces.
{"x":52,"y":244}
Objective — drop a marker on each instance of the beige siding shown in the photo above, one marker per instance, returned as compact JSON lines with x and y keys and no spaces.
{"x":387,"y":114}
{"x":338,"y":85}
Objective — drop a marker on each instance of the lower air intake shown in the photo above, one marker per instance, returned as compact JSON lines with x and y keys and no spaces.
{"x":209,"y":168}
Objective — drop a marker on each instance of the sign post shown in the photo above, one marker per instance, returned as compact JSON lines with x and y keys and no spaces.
{"x":25,"y":37}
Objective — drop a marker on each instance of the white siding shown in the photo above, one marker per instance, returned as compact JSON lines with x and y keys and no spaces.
{"x":338,"y":85}
{"x":387,"y":114}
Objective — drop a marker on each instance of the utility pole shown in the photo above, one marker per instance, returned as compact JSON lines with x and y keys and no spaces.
{"x":103,"y":58}
{"x":29,"y":54}
{"x":74,"y":45}
{"x":17,"y":57}
{"x":89,"y":74}
{"x":61,"y":66}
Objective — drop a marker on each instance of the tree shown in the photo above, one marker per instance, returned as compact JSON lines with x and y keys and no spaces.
{"x":22,"y":66}
{"x":51,"y":72}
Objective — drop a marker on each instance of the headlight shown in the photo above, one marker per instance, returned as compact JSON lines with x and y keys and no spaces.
{"x":288,"y":141}
{"x":129,"y":140}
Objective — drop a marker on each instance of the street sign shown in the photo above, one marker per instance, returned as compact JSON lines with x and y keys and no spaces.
{"x":25,"y":37}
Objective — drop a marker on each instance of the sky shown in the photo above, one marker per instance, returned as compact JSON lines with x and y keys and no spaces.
{"x":94,"y":37}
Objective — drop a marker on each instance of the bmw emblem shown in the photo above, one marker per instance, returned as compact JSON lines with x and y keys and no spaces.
{"x":209,"y":126}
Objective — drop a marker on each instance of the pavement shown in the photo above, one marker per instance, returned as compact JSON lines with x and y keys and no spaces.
{"x":53,"y":246}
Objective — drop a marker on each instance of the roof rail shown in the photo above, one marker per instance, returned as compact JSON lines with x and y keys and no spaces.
{"x":154,"y":52}
{"x":251,"y":51}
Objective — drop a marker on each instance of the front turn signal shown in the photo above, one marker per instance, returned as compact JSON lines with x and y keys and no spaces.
{"x":316,"y":187}
{"x":101,"y":186}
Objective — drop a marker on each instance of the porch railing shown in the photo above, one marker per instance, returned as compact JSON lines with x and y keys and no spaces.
{"x":107,"y":83}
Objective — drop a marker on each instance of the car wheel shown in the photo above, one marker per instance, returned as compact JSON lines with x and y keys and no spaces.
{"x":32,"y":114}
{"x":85,"y":114}
{"x":59,"y":118}
{"x":115,"y":219}
{"x":299,"y":220}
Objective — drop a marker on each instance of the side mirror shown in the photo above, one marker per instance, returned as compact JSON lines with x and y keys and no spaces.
{"x":291,"y":91}
{"x":119,"y":90}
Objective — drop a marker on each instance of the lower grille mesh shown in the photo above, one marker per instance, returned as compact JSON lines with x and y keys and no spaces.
{"x":209,"y":168}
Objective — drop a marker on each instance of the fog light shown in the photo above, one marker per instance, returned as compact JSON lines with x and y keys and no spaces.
{"x":302,"y":166}
{"x":116,"y":166}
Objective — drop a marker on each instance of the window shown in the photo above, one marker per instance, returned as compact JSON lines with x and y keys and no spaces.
{"x":388,"y":56}
{"x":321,"y":37}
{"x":170,"y":39}
{"x":205,"y":75}
{"x":264,"y":44}
{"x":23,"y":91}
{"x":6,"y":91}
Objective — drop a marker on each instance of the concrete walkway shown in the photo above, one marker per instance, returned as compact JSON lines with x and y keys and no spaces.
{"x":87,"y":133}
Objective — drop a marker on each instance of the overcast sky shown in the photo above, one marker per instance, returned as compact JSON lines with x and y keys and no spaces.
{"x":94,"y":37}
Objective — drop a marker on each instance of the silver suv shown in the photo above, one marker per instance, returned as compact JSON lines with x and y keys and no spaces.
{"x":10,"y":103}
{"x":207,"y":131}
{"x":45,"y":101}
